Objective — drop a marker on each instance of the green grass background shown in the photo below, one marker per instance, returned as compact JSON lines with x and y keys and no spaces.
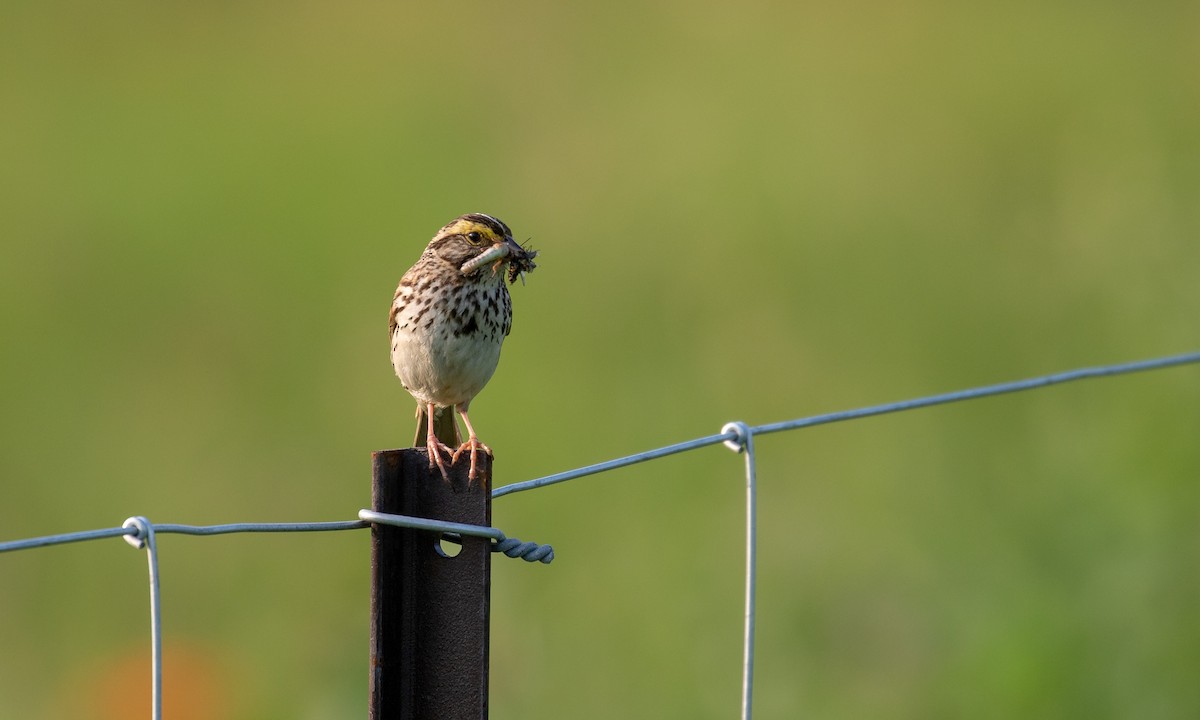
{"x":748,"y":211}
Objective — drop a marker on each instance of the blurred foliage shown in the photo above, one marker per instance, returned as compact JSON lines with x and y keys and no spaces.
{"x":745,"y":211}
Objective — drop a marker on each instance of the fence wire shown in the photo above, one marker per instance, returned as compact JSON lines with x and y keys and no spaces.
{"x":738,"y":436}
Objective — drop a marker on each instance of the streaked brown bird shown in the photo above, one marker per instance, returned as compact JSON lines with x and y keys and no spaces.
{"x":449,"y":317}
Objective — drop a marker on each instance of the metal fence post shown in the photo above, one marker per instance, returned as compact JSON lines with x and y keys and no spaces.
{"x":429,"y":611}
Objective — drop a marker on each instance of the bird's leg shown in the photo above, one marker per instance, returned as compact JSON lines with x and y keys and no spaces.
{"x":472,"y":442}
{"x":435,"y":447}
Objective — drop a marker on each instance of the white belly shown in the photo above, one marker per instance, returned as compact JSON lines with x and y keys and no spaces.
{"x":447,"y":373}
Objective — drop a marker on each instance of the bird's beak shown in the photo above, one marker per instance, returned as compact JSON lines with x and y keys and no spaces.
{"x":512,"y":248}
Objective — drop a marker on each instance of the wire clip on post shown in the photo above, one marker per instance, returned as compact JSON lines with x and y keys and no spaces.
{"x":512,"y":547}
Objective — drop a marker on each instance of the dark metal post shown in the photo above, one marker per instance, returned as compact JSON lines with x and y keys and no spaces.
{"x":429,"y":612}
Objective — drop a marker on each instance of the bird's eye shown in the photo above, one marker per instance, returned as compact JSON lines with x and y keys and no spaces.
{"x":474,"y":238}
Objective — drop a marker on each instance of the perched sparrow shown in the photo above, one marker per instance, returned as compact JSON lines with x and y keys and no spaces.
{"x":448,"y":320}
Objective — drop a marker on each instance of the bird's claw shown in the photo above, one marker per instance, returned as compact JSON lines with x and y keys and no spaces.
{"x":434,"y":448}
{"x":474,"y":446}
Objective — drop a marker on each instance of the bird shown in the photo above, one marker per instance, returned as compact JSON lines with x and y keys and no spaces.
{"x":448,"y":319}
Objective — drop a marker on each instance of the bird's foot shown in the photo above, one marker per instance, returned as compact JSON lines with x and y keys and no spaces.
{"x":434,"y":448}
{"x":474,"y":446}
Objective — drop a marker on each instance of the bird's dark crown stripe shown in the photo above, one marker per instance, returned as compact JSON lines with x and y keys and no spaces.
{"x":492,"y":223}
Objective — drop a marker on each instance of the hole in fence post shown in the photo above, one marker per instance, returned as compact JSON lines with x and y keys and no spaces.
{"x":448,"y":547}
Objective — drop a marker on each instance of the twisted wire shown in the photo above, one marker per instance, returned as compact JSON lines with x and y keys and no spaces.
{"x":527,"y":551}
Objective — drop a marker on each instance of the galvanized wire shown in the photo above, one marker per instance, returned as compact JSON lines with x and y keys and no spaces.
{"x":870,"y":411}
{"x":985,"y":391}
{"x":141,"y":533}
{"x":740,"y":437}
{"x":143,"y":537}
{"x":610,"y":465}
{"x":36,"y":542}
{"x":504,"y":544}
{"x":261,"y":527}
{"x":743,"y":442}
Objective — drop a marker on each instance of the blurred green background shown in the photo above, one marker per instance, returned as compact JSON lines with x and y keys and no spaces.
{"x":749,"y":211}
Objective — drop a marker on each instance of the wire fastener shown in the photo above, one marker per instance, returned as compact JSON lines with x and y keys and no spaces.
{"x":741,"y":435}
{"x":528,"y":551}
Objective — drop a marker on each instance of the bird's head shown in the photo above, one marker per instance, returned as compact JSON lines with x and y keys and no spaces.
{"x":475,"y":242}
